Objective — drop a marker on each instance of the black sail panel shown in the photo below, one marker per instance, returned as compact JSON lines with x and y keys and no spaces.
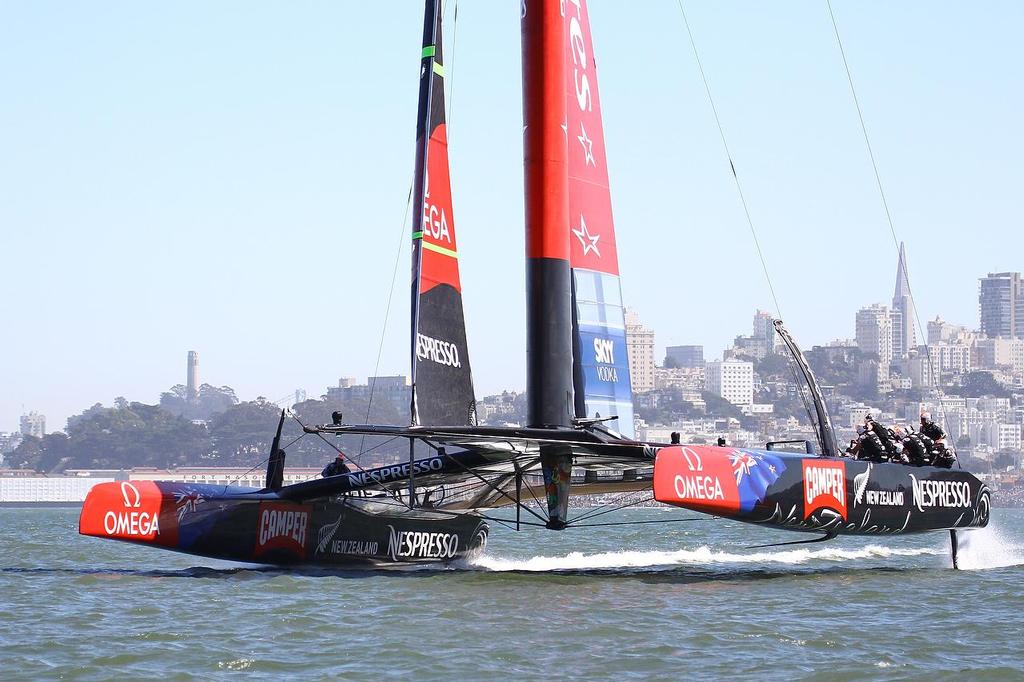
{"x":442,"y":380}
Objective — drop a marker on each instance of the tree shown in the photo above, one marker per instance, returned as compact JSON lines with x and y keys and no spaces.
{"x":242,"y":434}
{"x":982,"y":384}
{"x":209,"y":401}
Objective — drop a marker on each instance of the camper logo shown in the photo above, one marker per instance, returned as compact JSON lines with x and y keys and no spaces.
{"x":824,"y":487}
{"x":282,"y":527}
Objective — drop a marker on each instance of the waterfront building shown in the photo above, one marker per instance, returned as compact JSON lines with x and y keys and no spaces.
{"x":733,"y":380}
{"x":18,"y":486}
{"x":640,"y":348}
{"x":1001,"y":305}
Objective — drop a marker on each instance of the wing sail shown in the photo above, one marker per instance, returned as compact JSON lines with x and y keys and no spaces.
{"x":441,"y":377}
{"x":600,"y":361}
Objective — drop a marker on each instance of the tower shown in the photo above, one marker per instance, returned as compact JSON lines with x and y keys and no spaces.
{"x":192,"y":376}
{"x":903,"y":337}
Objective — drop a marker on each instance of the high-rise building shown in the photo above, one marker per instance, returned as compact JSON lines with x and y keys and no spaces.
{"x":732,"y":380}
{"x":940,"y":331}
{"x":33,"y":424}
{"x":1001,"y":305}
{"x":874,"y":332}
{"x":764,"y":328}
{"x":192,"y":376}
{"x":903,"y":315}
{"x":640,"y":347}
{"x":685,"y":356}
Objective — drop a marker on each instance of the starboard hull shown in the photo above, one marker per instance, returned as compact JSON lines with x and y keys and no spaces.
{"x":831,"y":495}
{"x":248,"y":525}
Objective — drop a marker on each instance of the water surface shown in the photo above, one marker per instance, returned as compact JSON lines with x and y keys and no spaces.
{"x":663,"y":600}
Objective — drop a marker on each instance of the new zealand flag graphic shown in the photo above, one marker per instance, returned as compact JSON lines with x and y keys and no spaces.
{"x":755,"y":471}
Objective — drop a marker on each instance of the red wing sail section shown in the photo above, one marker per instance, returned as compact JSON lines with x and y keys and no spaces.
{"x":442,"y":381}
{"x":600,"y":360}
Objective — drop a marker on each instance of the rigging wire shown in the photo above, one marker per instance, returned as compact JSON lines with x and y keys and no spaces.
{"x":743,"y":200}
{"x":888,"y":213}
{"x":728,"y":154}
{"x":405,"y":216}
{"x":387,"y":310}
{"x":450,"y":72}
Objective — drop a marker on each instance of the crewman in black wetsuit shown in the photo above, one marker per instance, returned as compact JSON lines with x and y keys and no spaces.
{"x":335,"y":467}
{"x":931,"y":429}
{"x":886,"y":437}
{"x":942,"y":456}
{"x":870,"y":447}
{"x":917,"y":449}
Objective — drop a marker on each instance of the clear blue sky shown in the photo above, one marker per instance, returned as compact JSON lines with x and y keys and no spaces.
{"x":230,"y":177}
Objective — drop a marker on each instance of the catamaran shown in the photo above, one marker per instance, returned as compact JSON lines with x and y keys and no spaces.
{"x":577,"y":383}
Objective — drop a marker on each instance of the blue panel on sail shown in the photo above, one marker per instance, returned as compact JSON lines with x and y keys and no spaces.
{"x":602,"y":355}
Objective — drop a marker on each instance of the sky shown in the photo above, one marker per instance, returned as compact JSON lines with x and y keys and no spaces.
{"x":232,"y":178}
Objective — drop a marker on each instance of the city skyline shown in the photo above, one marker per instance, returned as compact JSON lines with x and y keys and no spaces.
{"x":162,"y":199}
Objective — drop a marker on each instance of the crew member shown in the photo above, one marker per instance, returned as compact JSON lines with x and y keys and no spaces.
{"x":931,"y":429}
{"x":917,"y":449}
{"x":885,"y":436}
{"x":335,"y":467}
{"x":870,"y":446}
{"x":721,"y":441}
{"x":942,"y":455}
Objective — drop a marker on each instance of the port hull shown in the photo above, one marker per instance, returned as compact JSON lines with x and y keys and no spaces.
{"x":253,"y":526}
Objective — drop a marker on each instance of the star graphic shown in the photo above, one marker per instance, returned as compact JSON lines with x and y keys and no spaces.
{"x":742,"y":463}
{"x":587,"y":240}
{"x":588,"y":146}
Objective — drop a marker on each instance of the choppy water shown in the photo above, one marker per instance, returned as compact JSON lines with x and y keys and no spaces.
{"x":679,"y":600}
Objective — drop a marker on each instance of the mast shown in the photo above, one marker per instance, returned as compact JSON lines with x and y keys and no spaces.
{"x":430,"y":21}
{"x":549,"y":368}
{"x":549,"y":384}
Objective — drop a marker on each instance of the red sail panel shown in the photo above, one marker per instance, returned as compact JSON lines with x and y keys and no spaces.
{"x":592,"y":238}
{"x":440,"y":264}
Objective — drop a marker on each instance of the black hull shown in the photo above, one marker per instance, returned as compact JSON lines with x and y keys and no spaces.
{"x":830,"y":495}
{"x":257,"y":527}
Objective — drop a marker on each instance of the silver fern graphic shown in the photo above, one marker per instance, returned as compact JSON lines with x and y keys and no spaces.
{"x":326,"y":533}
{"x":860,"y":484}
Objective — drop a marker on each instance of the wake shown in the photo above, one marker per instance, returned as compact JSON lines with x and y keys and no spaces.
{"x":700,"y":557}
{"x":988,"y":547}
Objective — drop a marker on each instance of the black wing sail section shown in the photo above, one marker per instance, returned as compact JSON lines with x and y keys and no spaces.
{"x":442,"y":383}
